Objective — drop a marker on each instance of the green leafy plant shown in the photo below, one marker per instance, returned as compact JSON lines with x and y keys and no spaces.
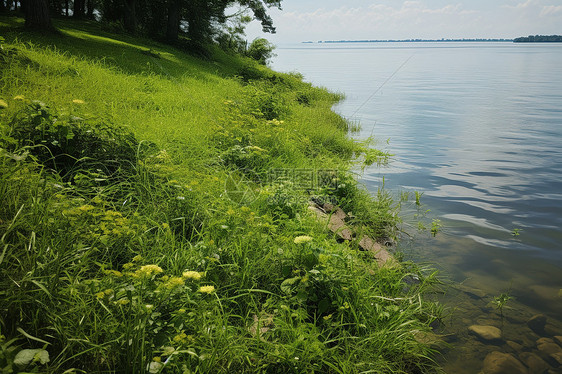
{"x":501,"y":300}
{"x":435,"y":226}
{"x":418,"y":197}
{"x":261,"y":50}
{"x":67,"y":143}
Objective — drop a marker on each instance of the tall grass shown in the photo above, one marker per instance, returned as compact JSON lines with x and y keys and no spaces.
{"x":122,"y":249}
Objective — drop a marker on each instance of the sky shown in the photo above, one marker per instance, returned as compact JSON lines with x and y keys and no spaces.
{"x":313,"y":20}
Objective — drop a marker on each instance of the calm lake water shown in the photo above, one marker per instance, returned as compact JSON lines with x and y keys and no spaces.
{"x":476,"y":128}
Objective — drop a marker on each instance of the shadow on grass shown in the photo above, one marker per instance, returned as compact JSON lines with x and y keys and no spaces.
{"x":130,"y":54}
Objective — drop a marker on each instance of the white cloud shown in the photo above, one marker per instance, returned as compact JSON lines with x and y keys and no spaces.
{"x":527,"y":4}
{"x":551,"y":10}
{"x":377,"y":21}
{"x":384,"y":19}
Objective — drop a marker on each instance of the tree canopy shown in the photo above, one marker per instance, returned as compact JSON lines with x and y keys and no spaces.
{"x":199,"y":20}
{"x":539,"y":39}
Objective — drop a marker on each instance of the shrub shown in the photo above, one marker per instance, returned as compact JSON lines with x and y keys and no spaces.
{"x":261,"y":50}
{"x":68,"y":143}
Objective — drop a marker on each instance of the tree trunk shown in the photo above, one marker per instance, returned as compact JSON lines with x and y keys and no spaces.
{"x":55,"y":7}
{"x":130,"y":17}
{"x":2,"y":6}
{"x":173,"y":26}
{"x":79,"y":8}
{"x":90,"y":7}
{"x":66,"y":6}
{"x":157,"y":26}
{"x":37,"y":15}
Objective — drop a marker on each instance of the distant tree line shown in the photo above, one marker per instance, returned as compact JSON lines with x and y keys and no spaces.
{"x":200,"y":21}
{"x":539,"y":39}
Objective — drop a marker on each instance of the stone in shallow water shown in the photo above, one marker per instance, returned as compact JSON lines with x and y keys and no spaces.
{"x":558,"y":340}
{"x":556,"y":358}
{"x":474,"y":293}
{"x":537,"y":323}
{"x":515,"y":346}
{"x":544,"y":292}
{"x":502,"y":363}
{"x":428,"y":338}
{"x":486,"y":333}
{"x":548,"y":347}
{"x":535,"y":364}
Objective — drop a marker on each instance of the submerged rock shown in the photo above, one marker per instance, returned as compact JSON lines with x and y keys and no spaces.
{"x":486,"y":333}
{"x":544,"y":292}
{"x":537,"y":323}
{"x":514,"y":345}
{"x":535,"y":364}
{"x":548,"y":347}
{"x":474,"y":293}
{"x":558,"y":340}
{"x":428,"y":338}
{"x":502,"y":363}
{"x":556,"y":358}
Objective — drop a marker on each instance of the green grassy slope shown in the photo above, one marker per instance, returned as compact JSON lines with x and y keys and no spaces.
{"x":142,"y":230}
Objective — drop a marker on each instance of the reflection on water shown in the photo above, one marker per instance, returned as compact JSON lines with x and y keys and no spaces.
{"x":476,"y":127}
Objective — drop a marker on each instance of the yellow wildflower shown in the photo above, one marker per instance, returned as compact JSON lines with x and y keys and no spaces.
{"x":115,"y":273}
{"x":85,"y":208}
{"x":100,"y":295}
{"x":137,"y":258}
{"x":78,"y":101}
{"x":122,"y":302}
{"x":256,"y":148}
{"x":148,"y":270}
{"x":191,"y":275}
{"x":128,"y":265}
{"x":3,"y":104}
{"x":302,"y":239}
{"x":207,"y":289}
{"x":19,"y":98}
{"x":174,"y":282}
{"x":180,"y":338}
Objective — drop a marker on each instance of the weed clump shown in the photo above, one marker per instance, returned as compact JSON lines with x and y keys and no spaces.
{"x":68,"y":144}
